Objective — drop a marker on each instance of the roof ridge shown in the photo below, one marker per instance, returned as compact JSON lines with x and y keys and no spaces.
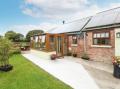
{"x":108,"y":10}
{"x":78,"y":19}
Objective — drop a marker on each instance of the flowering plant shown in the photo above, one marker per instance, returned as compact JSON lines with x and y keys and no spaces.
{"x":53,"y":56}
{"x":116,"y":60}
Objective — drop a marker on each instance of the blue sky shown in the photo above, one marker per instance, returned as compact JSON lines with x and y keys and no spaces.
{"x":24,"y":15}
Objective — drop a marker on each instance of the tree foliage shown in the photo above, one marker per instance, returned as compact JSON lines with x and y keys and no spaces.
{"x":33,"y":32}
{"x":14,"y":37}
{"x":18,"y":37}
{"x":10,"y":35}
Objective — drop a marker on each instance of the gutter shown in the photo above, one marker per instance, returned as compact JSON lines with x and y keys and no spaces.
{"x":102,"y":27}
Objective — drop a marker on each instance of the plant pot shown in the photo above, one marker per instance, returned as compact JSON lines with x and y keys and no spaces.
{"x":74,"y":55}
{"x":6,"y":68}
{"x":53,"y":57}
{"x":85,"y":58}
{"x":116,"y":72}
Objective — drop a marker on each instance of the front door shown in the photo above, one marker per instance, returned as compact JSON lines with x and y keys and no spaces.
{"x":59,"y":48}
{"x":117,"y":42}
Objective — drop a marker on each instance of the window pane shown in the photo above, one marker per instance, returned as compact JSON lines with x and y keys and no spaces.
{"x":103,"y":34}
{"x":74,"y":39}
{"x":98,"y":35}
{"x":95,"y":41}
{"x":95,"y":35}
{"x":107,"y":34}
{"x":107,"y":41}
{"x":103,"y":41}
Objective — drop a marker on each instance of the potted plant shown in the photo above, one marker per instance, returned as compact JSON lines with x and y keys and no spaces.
{"x":116,"y":64}
{"x":74,"y":55}
{"x":85,"y":56}
{"x":5,"y":52}
{"x":53,"y":57}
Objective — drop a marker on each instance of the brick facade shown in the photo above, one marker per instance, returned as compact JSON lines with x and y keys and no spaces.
{"x":76,"y":48}
{"x":100,"y":53}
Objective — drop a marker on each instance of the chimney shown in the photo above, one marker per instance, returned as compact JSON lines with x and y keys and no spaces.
{"x":63,"y":22}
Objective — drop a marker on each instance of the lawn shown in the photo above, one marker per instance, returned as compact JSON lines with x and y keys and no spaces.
{"x":26,"y":75}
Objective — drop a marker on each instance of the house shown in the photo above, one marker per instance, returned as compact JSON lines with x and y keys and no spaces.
{"x":102,"y":35}
{"x":97,"y":36}
{"x":69,"y":37}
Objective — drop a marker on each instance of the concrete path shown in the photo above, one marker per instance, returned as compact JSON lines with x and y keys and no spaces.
{"x":68,"y":71}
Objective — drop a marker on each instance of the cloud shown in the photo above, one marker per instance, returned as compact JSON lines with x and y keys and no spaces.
{"x":114,"y":5}
{"x":24,"y":29}
{"x":53,"y":9}
{"x":63,"y":9}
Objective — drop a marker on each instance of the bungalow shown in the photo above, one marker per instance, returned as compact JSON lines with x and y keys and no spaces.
{"x":97,"y":36}
{"x":65,"y":39}
{"x":102,"y":35}
{"x":69,"y":37}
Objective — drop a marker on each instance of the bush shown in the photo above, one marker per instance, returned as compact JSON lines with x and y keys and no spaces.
{"x":16,"y":50}
{"x":5,"y":51}
{"x":85,"y":56}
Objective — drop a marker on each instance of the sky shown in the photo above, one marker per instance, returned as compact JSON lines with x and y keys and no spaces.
{"x":25,"y":15}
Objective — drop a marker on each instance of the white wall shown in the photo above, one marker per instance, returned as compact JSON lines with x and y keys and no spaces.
{"x":117,"y":43}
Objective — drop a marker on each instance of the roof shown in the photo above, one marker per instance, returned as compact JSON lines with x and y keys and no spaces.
{"x":74,"y":26}
{"x":105,"y":18}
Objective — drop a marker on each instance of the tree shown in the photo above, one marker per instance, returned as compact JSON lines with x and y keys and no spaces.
{"x":18,"y":37}
{"x":33,"y":32}
{"x":10,"y":35}
{"x":5,"y":47}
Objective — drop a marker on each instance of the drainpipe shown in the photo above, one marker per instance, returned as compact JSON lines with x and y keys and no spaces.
{"x":85,"y":42}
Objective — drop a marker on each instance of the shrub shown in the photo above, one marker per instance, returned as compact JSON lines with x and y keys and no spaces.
{"x":16,"y":50}
{"x":85,"y":56}
{"x":5,"y":51}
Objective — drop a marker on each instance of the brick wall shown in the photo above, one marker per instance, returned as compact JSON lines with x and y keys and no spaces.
{"x":100,"y":53}
{"x":78,"y":48}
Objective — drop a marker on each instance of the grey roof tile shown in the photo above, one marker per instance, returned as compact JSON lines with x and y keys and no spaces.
{"x":71,"y":27}
{"x":104,"y":18}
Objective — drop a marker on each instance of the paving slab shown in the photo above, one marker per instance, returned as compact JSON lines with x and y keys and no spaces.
{"x":70,"y":72}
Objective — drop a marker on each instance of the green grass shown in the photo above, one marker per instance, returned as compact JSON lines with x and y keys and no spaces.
{"x":26,"y":75}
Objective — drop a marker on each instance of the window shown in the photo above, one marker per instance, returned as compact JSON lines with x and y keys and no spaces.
{"x":101,"y":38}
{"x":74,"y":39}
{"x":51,"y":38}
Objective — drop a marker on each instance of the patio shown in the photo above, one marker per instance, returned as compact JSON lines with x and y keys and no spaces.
{"x":68,"y":71}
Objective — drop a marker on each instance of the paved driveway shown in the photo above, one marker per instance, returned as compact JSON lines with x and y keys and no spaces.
{"x":68,"y":71}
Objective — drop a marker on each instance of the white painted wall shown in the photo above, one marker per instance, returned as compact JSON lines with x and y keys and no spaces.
{"x":117,"y":43}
